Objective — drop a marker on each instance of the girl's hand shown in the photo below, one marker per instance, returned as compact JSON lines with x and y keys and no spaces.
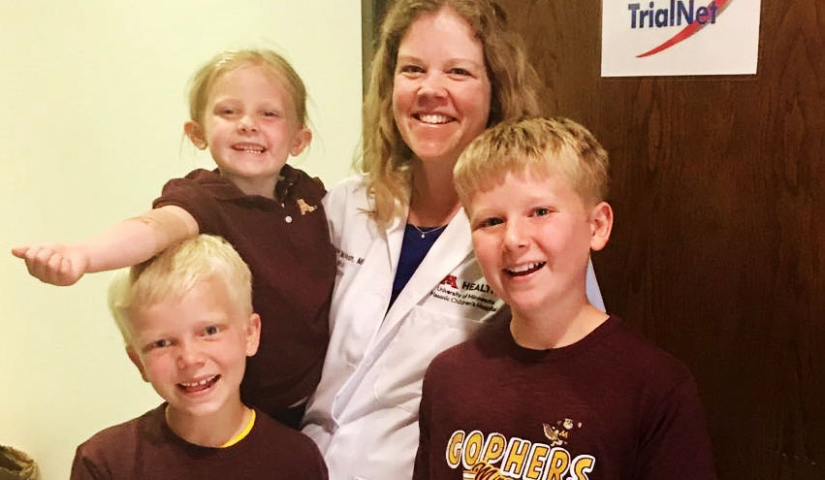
{"x":54,"y":263}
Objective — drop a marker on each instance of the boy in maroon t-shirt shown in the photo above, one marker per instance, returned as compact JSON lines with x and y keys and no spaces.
{"x":186,"y":317}
{"x":561,"y":391}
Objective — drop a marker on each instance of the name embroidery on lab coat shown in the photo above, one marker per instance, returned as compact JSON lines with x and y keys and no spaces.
{"x":344,"y":257}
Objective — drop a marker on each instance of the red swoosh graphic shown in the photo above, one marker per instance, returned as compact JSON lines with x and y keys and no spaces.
{"x":686,"y":32}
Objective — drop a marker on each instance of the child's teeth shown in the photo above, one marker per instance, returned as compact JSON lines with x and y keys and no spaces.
{"x":197,"y":384}
{"x":249,"y":148}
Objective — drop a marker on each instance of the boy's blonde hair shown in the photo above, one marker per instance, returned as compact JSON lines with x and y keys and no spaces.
{"x":224,"y":62}
{"x":537,"y":146}
{"x":176,"y":271}
{"x":513,"y":84}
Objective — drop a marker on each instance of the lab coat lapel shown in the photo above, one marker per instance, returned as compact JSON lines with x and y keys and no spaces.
{"x":448,"y":252}
{"x":395,"y":238}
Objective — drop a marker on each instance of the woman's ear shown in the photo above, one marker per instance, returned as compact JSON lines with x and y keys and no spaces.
{"x":195,"y":132}
{"x":601,"y":224}
{"x":301,"y":140}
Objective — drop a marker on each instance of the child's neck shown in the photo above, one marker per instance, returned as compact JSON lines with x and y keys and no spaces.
{"x":211,"y":430}
{"x":563,"y":326}
{"x":264,"y":187}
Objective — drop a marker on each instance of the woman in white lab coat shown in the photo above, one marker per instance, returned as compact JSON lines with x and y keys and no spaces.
{"x":408,"y":285}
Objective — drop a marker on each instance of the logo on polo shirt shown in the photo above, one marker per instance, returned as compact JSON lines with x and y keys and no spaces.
{"x":304,"y":207}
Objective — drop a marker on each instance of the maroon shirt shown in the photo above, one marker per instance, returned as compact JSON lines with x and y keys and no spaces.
{"x":610,"y":406}
{"x":145,"y":448}
{"x":286,"y":244}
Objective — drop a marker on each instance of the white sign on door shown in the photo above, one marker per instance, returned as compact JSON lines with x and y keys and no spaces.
{"x":679,"y":37}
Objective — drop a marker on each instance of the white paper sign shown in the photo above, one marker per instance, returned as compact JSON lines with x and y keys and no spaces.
{"x":679,"y":37}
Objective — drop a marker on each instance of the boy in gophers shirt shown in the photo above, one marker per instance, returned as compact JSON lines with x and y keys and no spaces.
{"x":562,"y":390}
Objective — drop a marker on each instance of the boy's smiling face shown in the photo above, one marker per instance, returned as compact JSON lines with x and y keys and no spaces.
{"x":193,"y":350}
{"x":533,"y":236}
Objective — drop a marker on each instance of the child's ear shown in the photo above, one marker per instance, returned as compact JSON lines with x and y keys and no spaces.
{"x":601,"y":224}
{"x":133,"y":356}
{"x":253,"y":334}
{"x":194,"y":131}
{"x":300,"y":141}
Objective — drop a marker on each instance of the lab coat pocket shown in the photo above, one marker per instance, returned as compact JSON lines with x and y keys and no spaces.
{"x":423,"y":334}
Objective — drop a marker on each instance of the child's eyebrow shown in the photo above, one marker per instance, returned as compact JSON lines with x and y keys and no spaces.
{"x":152,"y":337}
{"x":483,"y":213}
{"x":224,"y":99}
{"x":210,"y":321}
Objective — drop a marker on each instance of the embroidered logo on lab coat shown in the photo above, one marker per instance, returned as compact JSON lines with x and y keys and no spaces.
{"x":476,"y":294}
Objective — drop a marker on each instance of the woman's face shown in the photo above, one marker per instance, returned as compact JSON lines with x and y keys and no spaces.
{"x":441,"y":93}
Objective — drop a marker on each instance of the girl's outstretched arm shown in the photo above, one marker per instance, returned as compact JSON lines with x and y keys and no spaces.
{"x":126,"y":243}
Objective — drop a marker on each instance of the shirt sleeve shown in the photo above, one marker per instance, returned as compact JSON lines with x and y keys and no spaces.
{"x":316,"y":467}
{"x":187,"y":194}
{"x":676,"y":443}
{"x":323,"y":474}
{"x":85,"y":468}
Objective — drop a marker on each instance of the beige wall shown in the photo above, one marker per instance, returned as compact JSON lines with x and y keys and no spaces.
{"x":93,"y":103}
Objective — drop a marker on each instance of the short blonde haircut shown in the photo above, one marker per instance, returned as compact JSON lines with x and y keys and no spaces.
{"x":537,"y":146}
{"x":176,"y":271}
{"x":227,"y":61}
{"x":513,"y":87}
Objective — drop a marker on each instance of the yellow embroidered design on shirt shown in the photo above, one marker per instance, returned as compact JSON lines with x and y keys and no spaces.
{"x":305,"y":207}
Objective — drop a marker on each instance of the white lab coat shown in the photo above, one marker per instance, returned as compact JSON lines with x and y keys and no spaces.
{"x":364,"y":414}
